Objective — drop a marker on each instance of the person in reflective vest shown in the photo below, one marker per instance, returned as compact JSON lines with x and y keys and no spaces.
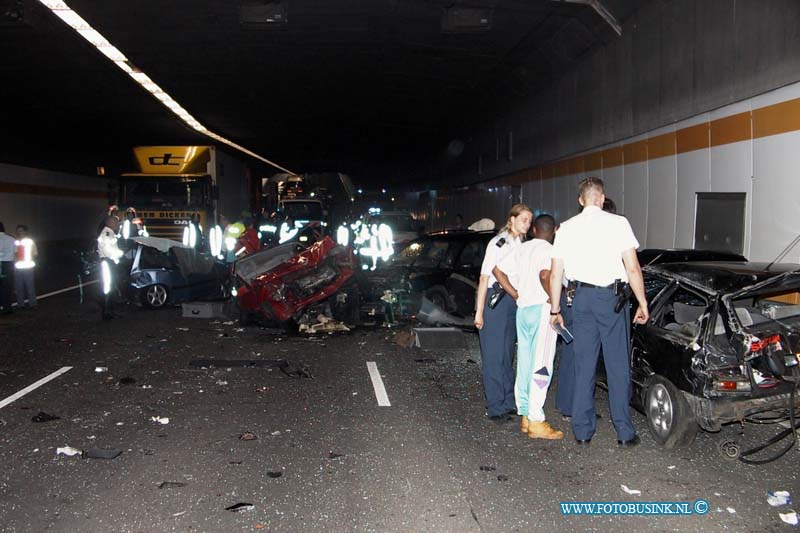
{"x":133,"y":226}
{"x":110,"y":255}
{"x":193,"y":233}
{"x":231,"y":240}
{"x":249,"y":241}
{"x":26,"y":253}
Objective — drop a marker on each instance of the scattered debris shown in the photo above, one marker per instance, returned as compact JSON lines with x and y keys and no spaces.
{"x":160,"y":419}
{"x":44,"y":417}
{"x":263,"y":389}
{"x":671,"y":467}
{"x":127,"y":381}
{"x":731,"y":510}
{"x":324,"y":324}
{"x":502,"y":477}
{"x":171,"y":485}
{"x":275,"y":474}
{"x":253,"y":363}
{"x":147,"y":386}
{"x":425,"y":360}
{"x":178,"y":514}
{"x":333,"y":455}
{"x":228,"y":323}
{"x":488,"y":469}
{"x":102,"y":453}
{"x":68,"y":450}
{"x":296,"y":372}
{"x":630,"y":491}
{"x":221,"y":382}
{"x":275,"y":433}
{"x":240,"y":507}
{"x":182,"y":329}
{"x":779,"y":498}
{"x":248,"y":435}
{"x":100,"y":369}
{"x":405,"y":338}
{"x":790,"y":518}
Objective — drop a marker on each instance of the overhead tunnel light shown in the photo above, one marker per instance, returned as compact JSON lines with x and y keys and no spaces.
{"x":96,"y":39}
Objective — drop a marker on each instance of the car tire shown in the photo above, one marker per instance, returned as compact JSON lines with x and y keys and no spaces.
{"x":669,"y":417}
{"x":155,"y":296}
{"x":438,"y":295}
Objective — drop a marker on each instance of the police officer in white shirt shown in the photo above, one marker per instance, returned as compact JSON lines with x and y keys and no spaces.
{"x":7,"y":253}
{"x":110,"y":255}
{"x":598,"y":251}
{"x":497,"y":326}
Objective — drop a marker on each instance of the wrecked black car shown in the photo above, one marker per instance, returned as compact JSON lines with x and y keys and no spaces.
{"x":442,"y":267}
{"x":655,"y":256}
{"x":721,"y":345}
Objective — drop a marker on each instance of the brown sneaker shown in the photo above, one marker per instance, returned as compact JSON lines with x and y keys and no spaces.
{"x":543,"y":430}
{"x":523,"y":425}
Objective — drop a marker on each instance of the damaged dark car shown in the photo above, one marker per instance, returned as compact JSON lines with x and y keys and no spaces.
{"x":721,"y":345}
{"x":441,"y":267}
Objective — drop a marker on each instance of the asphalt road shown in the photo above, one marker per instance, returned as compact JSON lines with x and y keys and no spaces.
{"x":327,"y":457}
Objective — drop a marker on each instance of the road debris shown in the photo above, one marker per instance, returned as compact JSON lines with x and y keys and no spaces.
{"x":102,"y":453}
{"x":779,"y":498}
{"x":100,"y":369}
{"x":488,"y":469}
{"x":634,"y":492}
{"x":171,"y":485}
{"x":502,"y":477}
{"x":243,"y":506}
{"x":790,"y":518}
{"x":44,"y":417}
{"x":68,"y":450}
{"x":160,"y":419}
{"x":248,"y":435}
{"x":275,"y":474}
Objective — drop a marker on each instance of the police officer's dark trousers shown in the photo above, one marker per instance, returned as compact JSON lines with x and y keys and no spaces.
{"x":498,"y":338}
{"x":596,"y":324}
{"x":565,"y":385}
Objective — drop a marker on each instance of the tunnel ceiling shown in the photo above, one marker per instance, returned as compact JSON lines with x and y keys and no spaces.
{"x":368,"y":87}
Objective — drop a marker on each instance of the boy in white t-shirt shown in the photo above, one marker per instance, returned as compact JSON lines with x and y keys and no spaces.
{"x":525,"y":274}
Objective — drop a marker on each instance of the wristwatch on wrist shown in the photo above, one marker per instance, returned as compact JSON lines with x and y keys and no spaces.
{"x":555,"y":313}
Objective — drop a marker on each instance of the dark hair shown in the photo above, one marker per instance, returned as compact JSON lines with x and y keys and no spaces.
{"x":609,"y":206}
{"x":545,"y":223}
{"x":2,"y":228}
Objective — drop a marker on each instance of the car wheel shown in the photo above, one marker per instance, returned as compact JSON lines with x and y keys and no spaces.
{"x":669,"y":418}
{"x":155,"y":296}
{"x":438,"y":296}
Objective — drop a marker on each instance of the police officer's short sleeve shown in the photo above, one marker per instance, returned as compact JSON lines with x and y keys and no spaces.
{"x":626,"y":238}
{"x":489,"y":258}
{"x":559,"y":249}
{"x":508,"y":264}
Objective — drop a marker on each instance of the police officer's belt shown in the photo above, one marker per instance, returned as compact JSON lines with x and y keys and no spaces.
{"x":584,"y":284}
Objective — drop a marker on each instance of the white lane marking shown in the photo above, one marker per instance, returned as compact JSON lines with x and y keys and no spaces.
{"x":40,"y":296}
{"x":377,"y":384}
{"x":29,"y":388}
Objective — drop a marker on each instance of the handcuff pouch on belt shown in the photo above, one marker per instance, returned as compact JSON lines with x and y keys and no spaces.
{"x":569,"y":294}
{"x":498,"y":294}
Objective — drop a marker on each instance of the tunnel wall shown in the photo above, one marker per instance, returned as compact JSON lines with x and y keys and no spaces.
{"x":694,"y":97}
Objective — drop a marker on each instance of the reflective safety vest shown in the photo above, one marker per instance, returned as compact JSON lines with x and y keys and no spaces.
{"x":24,"y":254}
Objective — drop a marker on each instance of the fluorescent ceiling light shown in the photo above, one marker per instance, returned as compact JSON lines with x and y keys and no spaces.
{"x":96,"y":39}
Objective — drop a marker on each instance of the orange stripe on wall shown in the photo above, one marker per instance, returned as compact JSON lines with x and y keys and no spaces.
{"x":593,"y":161}
{"x":778,"y":118}
{"x":613,"y":157}
{"x":734,"y":128}
{"x":693,"y":138}
{"x":661,"y":145}
{"x":576,"y":165}
{"x":634,"y":152}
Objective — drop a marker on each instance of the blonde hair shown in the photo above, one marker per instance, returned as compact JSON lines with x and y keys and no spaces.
{"x":515,"y":211}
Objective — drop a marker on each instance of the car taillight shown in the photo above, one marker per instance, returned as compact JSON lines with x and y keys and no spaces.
{"x":731,"y":385}
{"x":773,"y":342}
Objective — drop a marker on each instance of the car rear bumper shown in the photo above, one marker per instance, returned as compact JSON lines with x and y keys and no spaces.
{"x":711,"y":414}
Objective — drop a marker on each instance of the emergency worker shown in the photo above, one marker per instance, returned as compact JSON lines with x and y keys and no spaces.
{"x":231,"y":240}
{"x":249,"y":241}
{"x":110,"y":255}
{"x":23,"y":275}
{"x":495,"y":318}
{"x":193,"y":233}
{"x":598,"y":251}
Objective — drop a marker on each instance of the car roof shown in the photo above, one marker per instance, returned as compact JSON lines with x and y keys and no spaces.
{"x":723,"y":276}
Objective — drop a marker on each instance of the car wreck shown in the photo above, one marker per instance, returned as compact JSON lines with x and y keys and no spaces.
{"x":165,"y":272}
{"x":721,"y":346}
{"x":281,"y":284}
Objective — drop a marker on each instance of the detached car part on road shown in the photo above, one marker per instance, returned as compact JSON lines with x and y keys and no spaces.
{"x":280,"y":283}
{"x":721,"y":346}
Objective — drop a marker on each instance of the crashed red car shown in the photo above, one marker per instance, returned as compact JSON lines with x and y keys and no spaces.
{"x":278,"y":284}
